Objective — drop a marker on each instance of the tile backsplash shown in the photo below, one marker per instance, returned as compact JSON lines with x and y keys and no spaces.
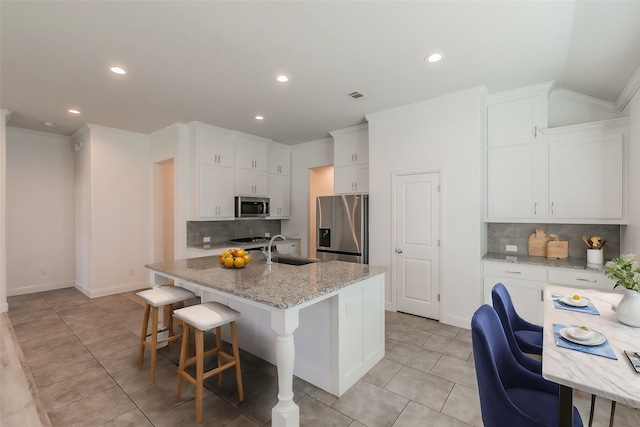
{"x":499,"y":235}
{"x":222,"y":231}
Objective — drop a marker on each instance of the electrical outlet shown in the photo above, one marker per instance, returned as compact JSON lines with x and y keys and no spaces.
{"x":512,"y":248}
{"x":267,"y":234}
{"x":206,"y":239}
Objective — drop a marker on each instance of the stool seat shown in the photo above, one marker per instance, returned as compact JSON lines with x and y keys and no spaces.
{"x":207,"y":315}
{"x":165,"y":295}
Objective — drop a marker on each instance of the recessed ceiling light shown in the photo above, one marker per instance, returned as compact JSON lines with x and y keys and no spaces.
{"x":259,"y":118}
{"x":433,"y":58}
{"x":118,"y":70}
{"x":282,"y":78}
{"x":72,"y":111}
{"x":47,"y":124}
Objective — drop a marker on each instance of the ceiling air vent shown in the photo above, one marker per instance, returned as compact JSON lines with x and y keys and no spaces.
{"x":355,"y":95}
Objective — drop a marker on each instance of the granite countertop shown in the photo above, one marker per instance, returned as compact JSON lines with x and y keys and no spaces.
{"x":277,"y":285}
{"x":576,"y":263}
{"x":244,"y":245}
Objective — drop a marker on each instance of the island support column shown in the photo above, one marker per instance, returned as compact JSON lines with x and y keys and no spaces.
{"x":286,"y":413}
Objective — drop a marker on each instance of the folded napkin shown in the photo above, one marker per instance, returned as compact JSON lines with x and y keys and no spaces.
{"x":587,"y":309}
{"x":603,"y":349}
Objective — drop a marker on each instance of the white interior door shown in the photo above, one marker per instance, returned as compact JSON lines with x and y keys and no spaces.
{"x":417,"y":246}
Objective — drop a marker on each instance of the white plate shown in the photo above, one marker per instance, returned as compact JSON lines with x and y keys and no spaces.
{"x":582,"y":302}
{"x":580,"y":334}
{"x":596,"y":340}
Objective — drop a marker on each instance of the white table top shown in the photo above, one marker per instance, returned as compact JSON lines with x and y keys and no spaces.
{"x":614,"y":379}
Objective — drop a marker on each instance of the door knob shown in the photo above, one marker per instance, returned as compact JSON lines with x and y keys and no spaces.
{"x":399,"y":251}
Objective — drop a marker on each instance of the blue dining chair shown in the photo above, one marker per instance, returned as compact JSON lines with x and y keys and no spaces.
{"x":508,"y":317}
{"x":527,"y":335}
{"x":510,"y":394}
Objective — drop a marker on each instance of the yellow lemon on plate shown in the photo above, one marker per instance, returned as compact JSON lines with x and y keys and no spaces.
{"x":247,"y":259}
{"x":577,"y":297}
{"x":228,"y":262}
{"x":241,"y":252}
{"x":239,"y":262}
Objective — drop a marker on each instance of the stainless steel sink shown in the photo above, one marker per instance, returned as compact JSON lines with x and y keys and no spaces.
{"x":293,"y":261}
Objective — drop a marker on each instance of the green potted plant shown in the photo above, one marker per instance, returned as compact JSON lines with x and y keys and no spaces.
{"x":625,"y":270}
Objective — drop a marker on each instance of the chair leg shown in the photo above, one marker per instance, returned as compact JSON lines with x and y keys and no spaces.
{"x":593,"y":405}
{"x":236,"y":356}
{"x":143,"y":334}
{"x":219,"y":353}
{"x":199,"y":372}
{"x":613,"y":412}
{"x":154,"y":343}
{"x":183,"y":356}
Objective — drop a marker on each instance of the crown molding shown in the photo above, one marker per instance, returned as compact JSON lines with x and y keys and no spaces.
{"x":579,"y":98}
{"x":629,"y":90}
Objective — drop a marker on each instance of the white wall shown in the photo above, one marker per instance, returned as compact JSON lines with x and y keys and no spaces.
{"x":569,"y":108}
{"x":40,"y":212}
{"x":630,"y":234}
{"x":4,"y":115}
{"x":303,"y":157}
{"x":443,"y":133}
{"x":119,"y":211}
{"x":172,"y":143}
{"x":82,"y":209}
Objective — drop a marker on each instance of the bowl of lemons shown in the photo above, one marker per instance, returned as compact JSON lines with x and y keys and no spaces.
{"x":234,"y":258}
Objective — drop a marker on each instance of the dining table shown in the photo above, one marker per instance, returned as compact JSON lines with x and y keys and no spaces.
{"x":599,"y":368}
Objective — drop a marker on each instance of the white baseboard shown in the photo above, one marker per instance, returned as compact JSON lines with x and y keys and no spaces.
{"x":460,"y":322}
{"x":4,"y":307}
{"x":23,"y":290}
{"x":113,"y":289}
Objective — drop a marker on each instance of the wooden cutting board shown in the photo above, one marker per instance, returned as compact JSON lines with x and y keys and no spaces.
{"x":558,"y":249}
{"x":538,"y":243}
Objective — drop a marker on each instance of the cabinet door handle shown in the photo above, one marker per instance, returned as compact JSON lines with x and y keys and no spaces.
{"x":514,"y":272}
{"x":535,"y":208}
{"x":586,"y":280}
{"x":541,"y":295}
{"x":535,"y":131}
{"x":356,"y":156}
{"x":553,"y":208}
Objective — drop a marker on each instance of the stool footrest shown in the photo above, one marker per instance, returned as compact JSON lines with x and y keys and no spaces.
{"x":210,"y":373}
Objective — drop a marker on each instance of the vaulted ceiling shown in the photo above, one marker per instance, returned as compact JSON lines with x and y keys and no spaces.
{"x":216,"y":62}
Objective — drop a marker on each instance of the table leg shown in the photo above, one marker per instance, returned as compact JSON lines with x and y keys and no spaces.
{"x":286,"y":413}
{"x":565,"y":406}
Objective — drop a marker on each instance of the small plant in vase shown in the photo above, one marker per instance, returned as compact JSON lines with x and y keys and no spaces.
{"x":625,"y":270}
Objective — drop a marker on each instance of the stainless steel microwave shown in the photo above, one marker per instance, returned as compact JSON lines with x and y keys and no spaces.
{"x":252,"y":207}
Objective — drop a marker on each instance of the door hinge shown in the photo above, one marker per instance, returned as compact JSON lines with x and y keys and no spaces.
{"x":438,"y":297}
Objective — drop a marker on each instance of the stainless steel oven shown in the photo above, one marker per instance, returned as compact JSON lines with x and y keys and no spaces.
{"x":252,"y":207}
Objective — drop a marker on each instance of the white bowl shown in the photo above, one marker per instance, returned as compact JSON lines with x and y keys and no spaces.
{"x":580,"y":332}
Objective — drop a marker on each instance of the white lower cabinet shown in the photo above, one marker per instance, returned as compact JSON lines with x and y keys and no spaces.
{"x":524,"y":283}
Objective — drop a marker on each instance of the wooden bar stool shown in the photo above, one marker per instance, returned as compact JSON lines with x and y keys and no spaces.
{"x":202,"y":318}
{"x":155,"y":298}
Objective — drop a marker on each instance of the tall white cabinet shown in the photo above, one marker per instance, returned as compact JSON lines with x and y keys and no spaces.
{"x":351,"y":160}
{"x":252,"y":165}
{"x":212,"y":153}
{"x":571,"y":174}
{"x":279,"y":180}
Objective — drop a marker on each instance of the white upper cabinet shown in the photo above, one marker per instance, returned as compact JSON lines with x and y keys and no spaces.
{"x":351,"y":146}
{"x":280,"y":196}
{"x":279,"y":159}
{"x":351,"y":160}
{"x":587,"y":172}
{"x":212,"y":154}
{"x":517,"y":116}
{"x":215,"y":147}
{"x":516,"y":182}
{"x":252,"y":152}
{"x":252,"y":183}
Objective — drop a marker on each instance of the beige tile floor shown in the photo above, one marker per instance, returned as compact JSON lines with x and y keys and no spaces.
{"x":82,"y":355}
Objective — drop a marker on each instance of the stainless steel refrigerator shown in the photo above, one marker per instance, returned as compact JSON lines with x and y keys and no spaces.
{"x":343,"y":228}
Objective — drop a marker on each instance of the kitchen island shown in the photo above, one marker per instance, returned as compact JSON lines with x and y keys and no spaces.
{"x":333,"y":311}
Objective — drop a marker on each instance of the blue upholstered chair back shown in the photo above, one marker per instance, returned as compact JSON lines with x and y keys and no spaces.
{"x":528,"y":336}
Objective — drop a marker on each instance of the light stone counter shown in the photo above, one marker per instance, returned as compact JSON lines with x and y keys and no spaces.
{"x":278,"y":285}
{"x":575,"y":263}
